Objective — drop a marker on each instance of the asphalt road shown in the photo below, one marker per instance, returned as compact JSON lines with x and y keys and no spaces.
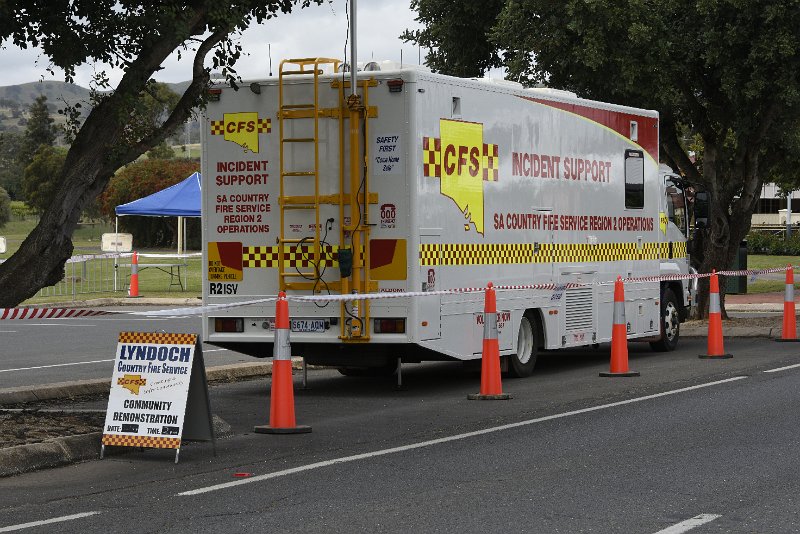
{"x":691,"y":445}
{"x":42,"y":351}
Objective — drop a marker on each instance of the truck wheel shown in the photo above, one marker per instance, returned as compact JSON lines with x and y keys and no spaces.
{"x":522,"y":363}
{"x":670,"y":323}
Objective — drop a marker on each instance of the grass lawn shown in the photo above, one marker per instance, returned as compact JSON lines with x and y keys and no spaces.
{"x":775,"y":282}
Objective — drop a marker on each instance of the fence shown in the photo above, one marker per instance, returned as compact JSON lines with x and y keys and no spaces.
{"x":90,"y":273}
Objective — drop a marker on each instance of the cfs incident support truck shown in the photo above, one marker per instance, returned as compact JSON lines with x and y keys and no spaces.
{"x":422,"y":182}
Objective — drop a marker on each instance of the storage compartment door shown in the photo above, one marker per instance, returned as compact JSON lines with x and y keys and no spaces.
{"x":429,"y":308}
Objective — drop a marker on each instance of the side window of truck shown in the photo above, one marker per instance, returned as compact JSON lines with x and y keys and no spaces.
{"x":676,"y":207}
{"x":634,"y":179}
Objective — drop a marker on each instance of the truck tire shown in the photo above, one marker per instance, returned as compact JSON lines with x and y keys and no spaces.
{"x":522,"y":363}
{"x":670,"y":323}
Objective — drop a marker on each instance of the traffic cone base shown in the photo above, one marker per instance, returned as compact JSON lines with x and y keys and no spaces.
{"x":478,"y":396}
{"x":715,"y":356}
{"x":629,"y":373}
{"x":780,"y":340}
{"x":266,"y":429}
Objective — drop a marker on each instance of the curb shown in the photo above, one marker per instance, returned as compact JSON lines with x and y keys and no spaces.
{"x":52,"y":453}
{"x":115,"y":301}
{"x":78,"y":388}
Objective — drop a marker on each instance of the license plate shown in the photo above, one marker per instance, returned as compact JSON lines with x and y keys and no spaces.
{"x":308,"y":325}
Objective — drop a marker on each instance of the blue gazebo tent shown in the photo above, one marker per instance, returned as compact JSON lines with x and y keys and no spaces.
{"x":179,"y":200}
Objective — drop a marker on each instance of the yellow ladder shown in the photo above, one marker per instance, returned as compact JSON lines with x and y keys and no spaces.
{"x":355,"y":234}
{"x":292,"y":68}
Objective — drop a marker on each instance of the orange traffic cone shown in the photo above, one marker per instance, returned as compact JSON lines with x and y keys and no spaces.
{"x":281,"y":408}
{"x":133,"y":288}
{"x":716,"y":349}
{"x":619,"y":335}
{"x":789,"y":322}
{"x":490,"y":359}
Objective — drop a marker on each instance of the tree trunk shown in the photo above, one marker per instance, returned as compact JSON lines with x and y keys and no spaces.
{"x":99,"y":149}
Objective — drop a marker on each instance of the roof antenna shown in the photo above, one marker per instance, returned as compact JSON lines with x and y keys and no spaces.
{"x":269,"y":52}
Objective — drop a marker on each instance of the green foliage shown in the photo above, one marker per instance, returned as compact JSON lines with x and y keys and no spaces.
{"x":40,"y":181}
{"x":5,"y":207}
{"x":774,"y":244}
{"x":456,"y":35}
{"x":144,"y":178}
{"x":38,"y":131}
{"x":10,"y":168}
{"x":162,"y":151}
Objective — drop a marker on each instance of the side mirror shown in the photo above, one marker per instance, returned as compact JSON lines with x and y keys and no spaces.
{"x":701,"y":208}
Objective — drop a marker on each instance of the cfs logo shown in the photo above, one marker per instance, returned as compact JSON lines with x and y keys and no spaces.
{"x":132,"y":383}
{"x":242,"y":129}
{"x":462,"y":162}
{"x":388,"y":216}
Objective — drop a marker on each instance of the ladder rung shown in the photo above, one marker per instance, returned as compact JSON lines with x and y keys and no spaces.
{"x":300,"y":275}
{"x":299,"y":173}
{"x":298,"y":140}
{"x":293,"y":240}
{"x":297,"y":106}
{"x":299,"y":72}
{"x":300,"y":207}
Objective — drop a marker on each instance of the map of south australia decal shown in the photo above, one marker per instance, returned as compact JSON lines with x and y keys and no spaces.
{"x":462,"y":162}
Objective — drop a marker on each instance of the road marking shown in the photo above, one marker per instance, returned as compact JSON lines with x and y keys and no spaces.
{"x":689,"y":524}
{"x":783,"y":368}
{"x":47,"y":521}
{"x":412,"y":446}
{"x":213,"y":350}
{"x":53,"y":365}
{"x":8,"y":331}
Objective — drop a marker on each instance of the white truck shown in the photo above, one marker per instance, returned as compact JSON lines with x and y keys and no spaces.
{"x":427,"y":182}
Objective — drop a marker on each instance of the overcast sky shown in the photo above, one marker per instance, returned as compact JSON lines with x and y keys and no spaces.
{"x":317,"y":31}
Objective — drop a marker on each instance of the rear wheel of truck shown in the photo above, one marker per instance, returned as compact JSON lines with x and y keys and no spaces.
{"x":670,"y":323}
{"x":522,"y":363}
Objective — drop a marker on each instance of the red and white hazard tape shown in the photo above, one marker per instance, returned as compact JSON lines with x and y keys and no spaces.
{"x":67,"y":313}
{"x":49,"y":313}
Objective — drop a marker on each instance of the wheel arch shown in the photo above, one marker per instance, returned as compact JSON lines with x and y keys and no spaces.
{"x":677,"y":289}
{"x":538,"y":325}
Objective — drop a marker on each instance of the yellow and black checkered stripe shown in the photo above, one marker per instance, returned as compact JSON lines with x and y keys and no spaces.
{"x":157,"y":338}
{"x":517,"y":253}
{"x":491,"y":162}
{"x":293,"y":256}
{"x":141,"y":441}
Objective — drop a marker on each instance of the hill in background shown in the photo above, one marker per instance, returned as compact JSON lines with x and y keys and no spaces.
{"x":15,"y":100}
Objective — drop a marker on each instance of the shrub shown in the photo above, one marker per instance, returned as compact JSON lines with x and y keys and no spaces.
{"x":773,"y":244}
